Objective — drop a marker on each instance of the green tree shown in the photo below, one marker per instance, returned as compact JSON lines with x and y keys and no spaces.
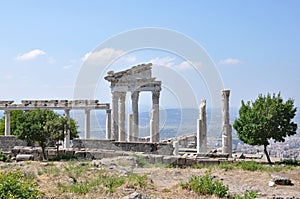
{"x":268,"y":117}
{"x":44,"y":127}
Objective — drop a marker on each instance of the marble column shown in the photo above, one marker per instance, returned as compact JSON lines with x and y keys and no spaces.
{"x":130,"y":128}
{"x":108,"y":124}
{"x":176,"y":148}
{"x":155,"y":107}
{"x":135,"y":112}
{"x":202,"y":129}
{"x":115,"y":116}
{"x":121,"y":123}
{"x":87,"y":124}
{"x":152,"y":126}
{"x":226,"y":127}
{"x":7,"y":123}
{"x":67,"y":129}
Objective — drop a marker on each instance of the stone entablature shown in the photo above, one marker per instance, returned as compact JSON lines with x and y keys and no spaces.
{"x":53,"y":104}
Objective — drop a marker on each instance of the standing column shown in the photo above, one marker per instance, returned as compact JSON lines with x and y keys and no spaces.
{"x":7,"y":122}
{"x":135,"y":112}
{"x":130,"y":128}
{"x":202,"y":129}
{"x":87,"y":123}
{"x":153,"y":126}
{"x":122,"y":116}
{"x":67,"y":129}
{"x":108,"y":124}
{"x":226,"y":127}
{"x":115,"y":116}
{"x":155,"y":107}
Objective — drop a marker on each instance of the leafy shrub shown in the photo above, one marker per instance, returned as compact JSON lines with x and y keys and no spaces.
{"x":291,"y":162}
{"x":3,"y":157}
{"x":204,"y":185}
{"x":16,"y":185}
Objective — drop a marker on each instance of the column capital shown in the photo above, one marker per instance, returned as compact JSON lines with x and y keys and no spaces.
{"x":135,"y":95}
{"x":122,"y":96}
{"x":225,"y":93}
{"x":6,"y":111}
{"x":87,"y":110}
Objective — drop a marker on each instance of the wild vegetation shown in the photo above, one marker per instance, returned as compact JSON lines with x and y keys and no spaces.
{"x":268,"y":117}
{"x":77,"y":179}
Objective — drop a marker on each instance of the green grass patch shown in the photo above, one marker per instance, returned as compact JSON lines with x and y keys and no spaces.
{"x":205,"y":185}
{"x":15,"y":184}
{"x":102,"y":179}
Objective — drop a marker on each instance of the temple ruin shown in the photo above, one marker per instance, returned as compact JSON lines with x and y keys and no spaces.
{"x":134,"y":80}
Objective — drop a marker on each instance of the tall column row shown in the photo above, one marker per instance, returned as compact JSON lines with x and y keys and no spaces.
{"x":118,"y":117}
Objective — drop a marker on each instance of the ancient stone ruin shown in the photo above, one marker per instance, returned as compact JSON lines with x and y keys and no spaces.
{"x":134,"y":80}
{"x":66,"y":105}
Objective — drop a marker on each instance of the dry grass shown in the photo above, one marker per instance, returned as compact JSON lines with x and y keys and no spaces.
{"x":57,"y":180}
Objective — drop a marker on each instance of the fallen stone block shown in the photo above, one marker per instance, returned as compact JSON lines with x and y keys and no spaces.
{"x":280,"y":180}
{"x":24,"y":157}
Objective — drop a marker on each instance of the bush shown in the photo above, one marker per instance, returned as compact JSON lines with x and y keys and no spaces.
{"x":17,"y":185}
{"x":204,"y":185}
{"x":3,"y":157}
{"x":291,"y":162}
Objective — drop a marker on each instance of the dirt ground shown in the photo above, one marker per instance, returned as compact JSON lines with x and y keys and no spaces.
{"x":162,"y":182}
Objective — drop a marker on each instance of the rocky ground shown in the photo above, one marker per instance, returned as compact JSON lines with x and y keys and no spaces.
{"x":160,"y":182}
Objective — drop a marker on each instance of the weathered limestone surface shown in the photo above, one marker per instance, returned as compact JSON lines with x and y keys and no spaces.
{"x":153,"y":148}
{"x":67,"y":132}
{"x":184,"y":141}
{"x":226,"y":127}
{"x":122,"y":116}
{"x":202,"y":129}
{"x":7,"y":143}
{"x":130,"y":128}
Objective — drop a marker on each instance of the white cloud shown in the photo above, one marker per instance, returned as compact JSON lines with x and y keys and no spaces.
{"x":67,"y":67}
{"x":165,"y":61}
{"x":230,"y":61}
{"x":130,"y":59}
{"x":171,"y":62}
{"x":102,"y":56}
{"x":8,"y":77}
{"x":30,"y":55}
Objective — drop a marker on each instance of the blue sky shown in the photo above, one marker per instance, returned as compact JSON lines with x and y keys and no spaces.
{"x":255,"y":45}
